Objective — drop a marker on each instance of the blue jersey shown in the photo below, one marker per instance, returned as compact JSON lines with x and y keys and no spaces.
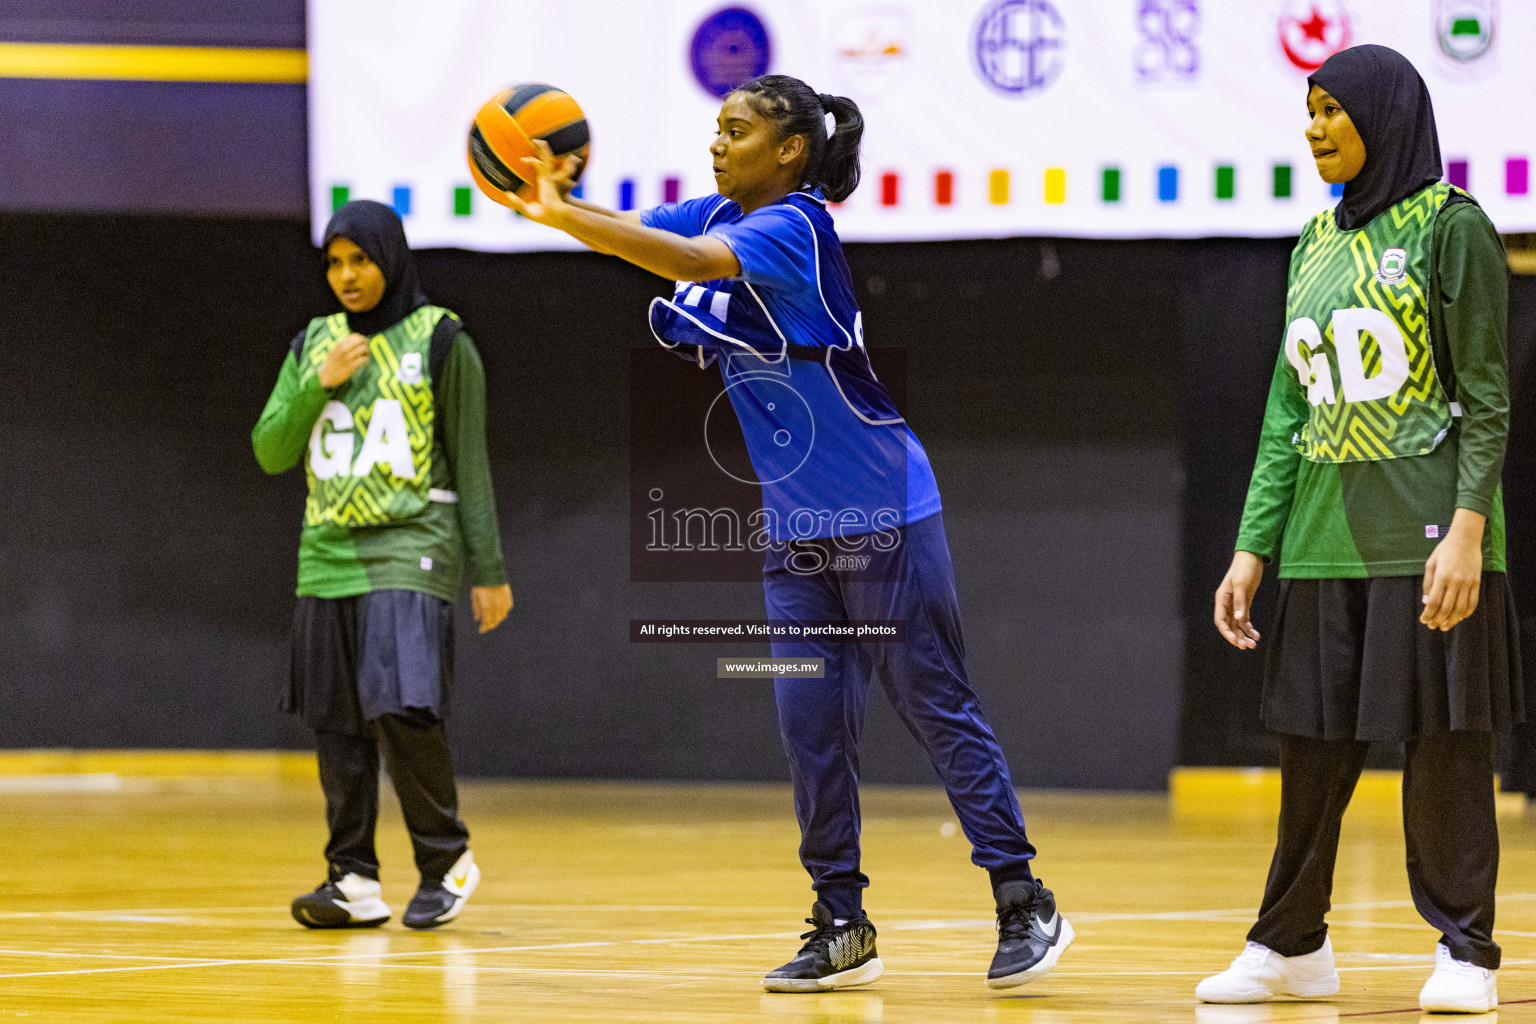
{"x":834,"y":456}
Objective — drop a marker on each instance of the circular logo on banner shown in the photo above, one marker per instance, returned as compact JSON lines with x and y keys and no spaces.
{"x":1464,"y":27}
{"x":729,"y":47}
{"x":1019,"y":45}
{"x":1311,"y":31}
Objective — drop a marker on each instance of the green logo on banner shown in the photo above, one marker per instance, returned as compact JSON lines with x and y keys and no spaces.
{"x":1465,"y":27}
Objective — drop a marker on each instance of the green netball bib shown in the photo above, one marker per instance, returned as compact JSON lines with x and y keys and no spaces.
{"x":370,"y":453}
{"x":1358,"y":335}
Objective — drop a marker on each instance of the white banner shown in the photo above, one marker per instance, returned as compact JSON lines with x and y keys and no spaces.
{"x":985,"y":118}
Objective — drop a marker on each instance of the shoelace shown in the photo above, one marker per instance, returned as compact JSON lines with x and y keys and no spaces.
{"x":1252,"y":955}
{"x":1016,"y":919}
{"x":1445,"y":959}
{"x":820,"y":936}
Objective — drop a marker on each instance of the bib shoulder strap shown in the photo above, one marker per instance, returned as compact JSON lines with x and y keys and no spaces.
{"x":1445,"y":365}
{"x":1315,"y":229}
{"x":448,"y":328}
{"x":1457,"y":197}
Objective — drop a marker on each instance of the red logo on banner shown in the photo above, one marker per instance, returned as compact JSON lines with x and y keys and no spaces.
{"x":1311,"y":31}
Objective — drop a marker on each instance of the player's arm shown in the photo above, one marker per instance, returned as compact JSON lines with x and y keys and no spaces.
{"x":1472,"y":278}
{"x":282,"y":432}
{"x":463,"y":434}
{"x":1268,"y":506}
{"x":632,"y":216}
{"x":563,"y":177}
{"x":661,"y":252}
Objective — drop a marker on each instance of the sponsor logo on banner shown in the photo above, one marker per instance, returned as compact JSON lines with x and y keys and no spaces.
{"x":1311,"y":31}
{"x":1019,"y":45}
{"x":729,"y":47}
{"x":873,"y":48}
{"x":1167,"y":51}
{"x":1394,"y":267}
{"x":1465,"y":27}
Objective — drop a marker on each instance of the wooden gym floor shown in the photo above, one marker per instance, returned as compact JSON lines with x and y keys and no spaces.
{"x":145,"y":889}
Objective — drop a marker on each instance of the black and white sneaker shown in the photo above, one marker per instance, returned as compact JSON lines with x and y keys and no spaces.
{"x":1031,"y":934}
{"x":350,"y":901}
{"x":834,"y":956}
{"x":439,"y":902}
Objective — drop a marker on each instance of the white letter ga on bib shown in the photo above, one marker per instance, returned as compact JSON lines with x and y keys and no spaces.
{"x":387,"y":441}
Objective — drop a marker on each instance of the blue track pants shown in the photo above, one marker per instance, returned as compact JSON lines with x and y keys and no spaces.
{"x":821,"y":720}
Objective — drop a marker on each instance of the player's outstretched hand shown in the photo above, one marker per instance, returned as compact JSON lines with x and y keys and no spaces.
{"x":1453,"y":575}
{"x":342,"y":361}
{"x":1234,"y":600}
{"x":490,"y":605}
{"x":552,"y":181}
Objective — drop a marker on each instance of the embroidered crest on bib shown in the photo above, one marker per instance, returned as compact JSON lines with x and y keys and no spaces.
{"x":1394,"y":267}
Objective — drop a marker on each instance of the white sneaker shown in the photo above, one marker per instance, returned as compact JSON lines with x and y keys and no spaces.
{"x":1458,"y":987}
{"x":350,"y":902}
{"x":1259,"y":974}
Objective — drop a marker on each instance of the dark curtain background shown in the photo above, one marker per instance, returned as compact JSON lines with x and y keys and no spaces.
{"x":1091,"y":410}
{"x":147,"y":564}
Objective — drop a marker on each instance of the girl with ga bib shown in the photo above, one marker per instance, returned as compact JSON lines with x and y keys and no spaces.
{"x":383,"y":402}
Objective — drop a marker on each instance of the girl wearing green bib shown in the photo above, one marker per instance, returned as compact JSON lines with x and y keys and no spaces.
{"x":384,"y":404}
{"x":1377,"y":486}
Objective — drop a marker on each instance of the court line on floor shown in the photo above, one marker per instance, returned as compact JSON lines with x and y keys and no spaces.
{"x":1414,"y":1009}
{"x":333,"y":959}
{"x":99,"y":956}
{"x":342,"y":959}
{"x":283,"y":910}
{"x":670,"y":940}
{"x":1086,"y":916}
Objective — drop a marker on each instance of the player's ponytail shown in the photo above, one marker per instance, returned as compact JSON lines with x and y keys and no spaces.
{"x":838,"y":173}
{"x":832,"y":149}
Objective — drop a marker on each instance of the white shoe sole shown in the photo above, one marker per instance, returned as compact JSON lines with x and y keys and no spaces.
{"x":470,"y":885}
{"x":861,"y":975}
{"x":374,"y":911}
{"x":1042,"y":968}
{"x":1486,"y":1004}
{"x":1320,"y":990}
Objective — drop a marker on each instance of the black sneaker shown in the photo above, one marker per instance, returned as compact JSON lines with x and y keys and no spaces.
{"x":1031,"y":935}
{"x":351,"y":901}
{"x":441,"y":901}
{"x":834,"y":956}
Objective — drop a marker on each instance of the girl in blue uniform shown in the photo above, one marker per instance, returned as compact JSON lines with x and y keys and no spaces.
{"x":842,"y":474}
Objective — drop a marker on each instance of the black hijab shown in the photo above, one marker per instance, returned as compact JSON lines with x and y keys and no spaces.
{"x":376,"y":229}
{"x":1387,"y":100}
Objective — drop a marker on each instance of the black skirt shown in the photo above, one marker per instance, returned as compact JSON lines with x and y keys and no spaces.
{"x":1349,"y":659}
{"x":381,"y":653}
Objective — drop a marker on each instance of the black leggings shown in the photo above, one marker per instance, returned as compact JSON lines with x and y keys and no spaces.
{"x":420,"y":766}
{"x":1448,"y":823}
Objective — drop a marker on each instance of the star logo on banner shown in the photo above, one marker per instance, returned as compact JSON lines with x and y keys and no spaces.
{"x":1316,"y":27}
{"x":1311,"y":31}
